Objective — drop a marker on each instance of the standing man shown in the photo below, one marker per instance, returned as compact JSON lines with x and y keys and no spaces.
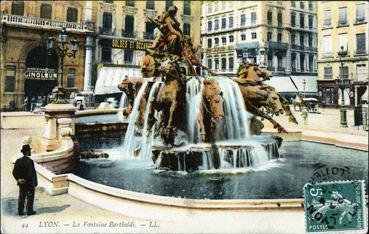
{"x":25,"y":174}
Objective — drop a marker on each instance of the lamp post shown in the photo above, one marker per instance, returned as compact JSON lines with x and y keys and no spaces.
{"x":342,"y":83}
{"x":63,"y":51}
{"x":304,"y":83}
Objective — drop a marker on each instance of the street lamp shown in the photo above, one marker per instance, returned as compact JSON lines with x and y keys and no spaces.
{"x":304,"y":83}
{"x":342,"y":83}
{"x":63,"y":51}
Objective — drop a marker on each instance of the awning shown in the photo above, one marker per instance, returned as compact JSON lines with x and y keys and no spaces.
{"x":109,"y":77}
{"x":283,"y":84}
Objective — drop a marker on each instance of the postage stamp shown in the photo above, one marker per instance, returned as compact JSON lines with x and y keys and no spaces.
{"x":335,"y":206}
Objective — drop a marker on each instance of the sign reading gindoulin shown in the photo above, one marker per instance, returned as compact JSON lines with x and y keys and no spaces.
{"x":128,"y":44}
{"x":41,"y":74}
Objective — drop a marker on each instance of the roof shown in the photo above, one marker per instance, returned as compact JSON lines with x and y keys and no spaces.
{"x":108,"y":78}
{"x":284,"y":84}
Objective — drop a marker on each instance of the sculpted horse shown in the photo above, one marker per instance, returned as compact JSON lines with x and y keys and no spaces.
{"x":258,"y":95}
{"x":211,"y":117}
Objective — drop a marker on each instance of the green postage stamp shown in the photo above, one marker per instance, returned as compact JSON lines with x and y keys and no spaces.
{"x":337,"y":206}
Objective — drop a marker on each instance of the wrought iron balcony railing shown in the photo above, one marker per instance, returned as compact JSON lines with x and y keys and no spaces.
{"x":129,"y":34}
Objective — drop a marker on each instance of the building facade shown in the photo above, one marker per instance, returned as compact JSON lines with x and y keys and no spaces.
{"x":123,"y":34}
{"x":343,"y":26}
{"x":28,"y":69}
{"x":280,"y":35}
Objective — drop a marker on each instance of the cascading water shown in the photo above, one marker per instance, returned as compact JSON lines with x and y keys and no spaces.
{"x":235,"y":111}
{"x":193,"y":97}
{"x":131,"y":140}
{"x":147,"y":136}
{"x":122,"y":104}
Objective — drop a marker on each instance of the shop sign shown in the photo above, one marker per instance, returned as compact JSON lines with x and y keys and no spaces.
{"x":41,"y":74}
{"x":128,"y":44}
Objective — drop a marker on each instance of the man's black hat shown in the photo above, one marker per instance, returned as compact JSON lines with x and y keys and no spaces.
{"x":26,"y":148}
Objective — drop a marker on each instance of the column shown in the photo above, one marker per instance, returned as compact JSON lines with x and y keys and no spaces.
{"x":88,"y":64}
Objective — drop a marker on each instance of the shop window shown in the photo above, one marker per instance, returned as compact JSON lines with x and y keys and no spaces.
{"x":150,"y":4}
{"x":71,"y":77}
{"x":72,"y":14}
{"x":45,"y":11}
{"x":18,"y":8}
{"x":9,"y":79}
{"x":106,"y":54}
{"x":128,"y":56}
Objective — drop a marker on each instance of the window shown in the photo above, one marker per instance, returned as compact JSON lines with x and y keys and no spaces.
{"x":223,"y":5}
{"x":342,"y":16}
{"x":106,"y":54}
{"x":130,"y":3}
{"x":210,"y":8}
{"x":149,"y":32}
{"x":216,"y":64}
{"x":45,"y":11}
{"x":128,"y":26}
{"x":150,"y":4}
{"x":72,"y":14}
{"x":224,"y":40}
{"x":9,"y":79}
{"x":311,"y":22}
{"x":243,"y":37}
{"x":344,"y":72}
{"x":230,"y":22}
{"x":243,"y":20}
{"x":293,"y":19}
{"x":209,"y":43}
{"x":302,"y":39}
{"x":302,"y":21}
{"x":186,"y":29}
{"x":269,"y":36}
{"x":253,"y":17}
{"x":253,"y":35}
{"x":342,"y":40}
{"x":187,"y":7}
{"x":279,"y":37}
{"x":210,"y":25}
{"x":216,"y":24}
{"x":327,"y":18}
{"x":70,"y":77}
{"x":128,"y":56}
{"x":310,"y":6}
{"x":216,"y":41}
{"x":224,"y":23}
{"x":310,"y":41}
{"x":231,"y":38}
{"x":231,"y":63}
{"x":360,"y":43}
{"x":210,"y":64}
{"x":328,"y":73}
{"x":270,"y":17}
{"x":293,"y":4}
{"x":360,"y":13}
{"x":107,"y":22}
{"x":327,"y":46}
{"x":224,"y":63}
{"x":280,"y":19}
{"x":293,"y":39}
{"x":18,"y":8}
{"x":302,"y":5}
{"x":361,"y":72}
{"x":168,"y":3}
{"x":108,"y":1}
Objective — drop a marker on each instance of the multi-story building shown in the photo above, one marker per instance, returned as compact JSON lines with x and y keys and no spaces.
{"x":28,"y":69}
{"x":342,"y":27}
{"x":123,"y":34}
{"x":280,"y":35}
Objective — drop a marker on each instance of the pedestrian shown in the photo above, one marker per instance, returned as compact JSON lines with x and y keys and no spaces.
{"x":25,"y":174}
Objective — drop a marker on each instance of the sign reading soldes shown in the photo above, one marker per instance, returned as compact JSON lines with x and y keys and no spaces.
{"x":41,"y":74}
{"x":127,"y":44}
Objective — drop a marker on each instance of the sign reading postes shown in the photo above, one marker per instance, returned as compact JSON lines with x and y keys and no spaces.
{"x":41,"y":74}
{"x":127,"y":44}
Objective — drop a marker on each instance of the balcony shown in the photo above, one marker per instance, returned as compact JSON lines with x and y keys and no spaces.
{"x":277,"y":45}
{"x":148,"y":36}
{"x":129,"y":34}
{"x":34,"y":22}
{"x":106,"y":31}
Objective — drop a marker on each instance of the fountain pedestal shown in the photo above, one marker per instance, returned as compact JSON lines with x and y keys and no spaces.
{"x":59,"y":122}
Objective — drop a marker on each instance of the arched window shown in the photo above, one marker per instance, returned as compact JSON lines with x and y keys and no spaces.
{"x":45,"y":11}
{"x":224,"y":63}
{"x":209,"y":43}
